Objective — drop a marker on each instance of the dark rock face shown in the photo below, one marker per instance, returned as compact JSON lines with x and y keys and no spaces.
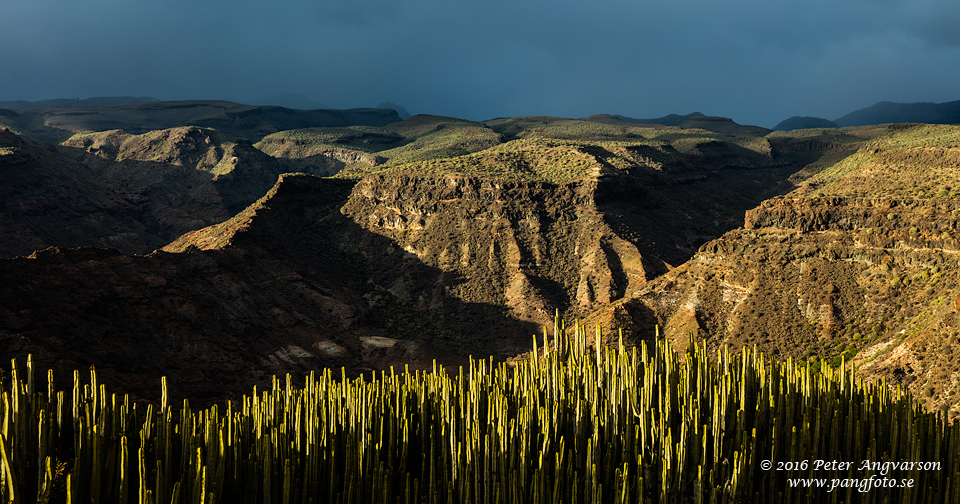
{"x":46,"y":199}
{"x":216,"y":323}
{"x":273,"y":300}
{"x":132,"y":192}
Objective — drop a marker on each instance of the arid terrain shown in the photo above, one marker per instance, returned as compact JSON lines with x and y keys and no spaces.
{"x":219,"y":244}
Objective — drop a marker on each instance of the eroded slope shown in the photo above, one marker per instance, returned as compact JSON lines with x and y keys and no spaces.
{"x":273,"y":298}
{"x":132,"y":192}
{"x":48,"y":199}
{"x":859,"y":263}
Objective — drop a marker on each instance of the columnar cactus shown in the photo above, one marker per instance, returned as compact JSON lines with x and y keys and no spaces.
{"x":570,"y":424}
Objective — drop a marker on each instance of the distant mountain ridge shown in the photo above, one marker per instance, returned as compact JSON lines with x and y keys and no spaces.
{"x":300,"y":106}
{"x":100,"y":101}
{"x":57,"y":123}
{"x":882,"y":113}
{"x":804,"y":122}
{"x":667,"y":120}
{"x":695,"y":120}
{"x":889,"y":112}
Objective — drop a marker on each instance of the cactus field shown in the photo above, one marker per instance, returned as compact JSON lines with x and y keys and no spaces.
{"x":572,"y":423}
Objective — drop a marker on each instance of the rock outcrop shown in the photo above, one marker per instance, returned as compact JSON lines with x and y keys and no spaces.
{"x":856,"y":275}
{"x":537,"y":246}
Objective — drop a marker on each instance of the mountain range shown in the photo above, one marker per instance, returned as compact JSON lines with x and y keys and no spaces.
{"x":883,"y":113}
{"x":210,"y":239}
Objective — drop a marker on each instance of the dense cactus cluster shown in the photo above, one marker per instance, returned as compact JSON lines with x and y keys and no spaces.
{"x":570,"y":424}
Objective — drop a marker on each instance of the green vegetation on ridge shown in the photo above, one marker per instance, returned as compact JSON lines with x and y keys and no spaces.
{"x":312,"y":141}
{"x":419,"y":138}
{"x":904,"y":162}
{"x":502,"y":148}
{"x":530,"y":160}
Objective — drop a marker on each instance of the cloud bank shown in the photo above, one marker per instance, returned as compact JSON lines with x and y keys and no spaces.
{"x":757,"y":62}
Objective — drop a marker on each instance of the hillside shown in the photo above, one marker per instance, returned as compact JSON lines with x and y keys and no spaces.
{"x":859,"y":263}
{"x":132,"y":192}
{"x":723,"y":126}
{"x":49,"y":199}
{"x":418,"y":138}
{"x":660,"y":170}
{"x":299,"y":280}
{"x":274,"y":298}
{"x":667,"y":120}
{"x":798,"y":122}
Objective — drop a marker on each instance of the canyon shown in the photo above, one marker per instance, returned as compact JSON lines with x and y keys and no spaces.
{"x":191,"y":253}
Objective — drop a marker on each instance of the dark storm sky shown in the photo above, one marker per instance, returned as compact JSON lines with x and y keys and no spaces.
{"x":758,"y":62}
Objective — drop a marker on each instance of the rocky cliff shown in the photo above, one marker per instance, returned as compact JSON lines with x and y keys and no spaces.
{"x":535,"y":246}
{"x":393,"y":270}
{"x":871,"y":280}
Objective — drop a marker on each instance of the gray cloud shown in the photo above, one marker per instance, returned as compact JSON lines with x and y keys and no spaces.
{"x":756,"y":61}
